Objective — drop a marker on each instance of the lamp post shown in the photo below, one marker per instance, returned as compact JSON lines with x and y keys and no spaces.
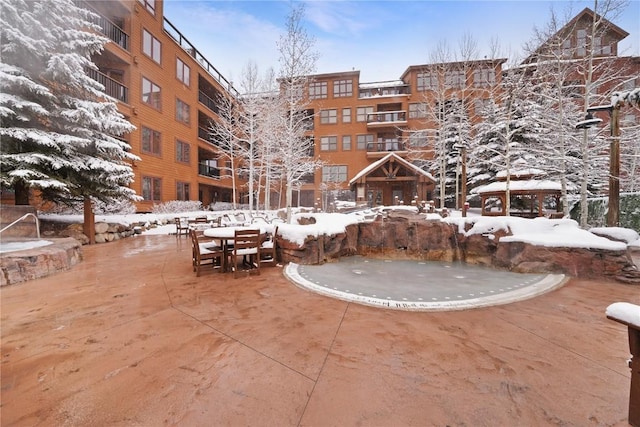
{"x":613,"y":213}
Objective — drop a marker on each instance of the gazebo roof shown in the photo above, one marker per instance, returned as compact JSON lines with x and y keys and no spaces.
{"x":522,"y":186}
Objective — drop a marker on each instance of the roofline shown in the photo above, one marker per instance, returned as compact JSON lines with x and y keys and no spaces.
{"x":493,"y":61}
{"x":586,"y":11}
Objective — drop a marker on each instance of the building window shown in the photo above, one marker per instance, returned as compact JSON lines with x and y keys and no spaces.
{"x":346,"y":115}
{"x":151,"y":188}
{"x":328,"y":116}
{"x":417,"y":110}
{"x":317,"y":90}
{"x":628,"y":120}
{"x":346,"y":143}
{"x":362,"y":112}
{"x":454,"y":79}
{"x":182,"y":191}
{"x":183,"y":111}
{"x":328,"y":143}
{"x":484,"y":77}
{"x":151,"y":93}
{"x":362,"y":141}
{"x":427,"y":81}
{"x":581,"y":42}
{"x":151,"y":46}
{"x":183,"y":151}
{"x":183,"y":72}
{"x":150,"y":5}
{"x":599,"y":49}
{"x":151,"y":141}
{"x":334,"y":173}
{"x":342,"y":88}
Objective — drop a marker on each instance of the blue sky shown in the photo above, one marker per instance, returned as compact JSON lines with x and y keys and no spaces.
{"x":379,"y":38}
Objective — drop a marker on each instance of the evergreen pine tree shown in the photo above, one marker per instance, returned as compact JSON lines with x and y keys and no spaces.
{"x":59,"y":131}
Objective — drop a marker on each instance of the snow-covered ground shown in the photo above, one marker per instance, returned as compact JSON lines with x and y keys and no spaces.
{"x":538,"y":231}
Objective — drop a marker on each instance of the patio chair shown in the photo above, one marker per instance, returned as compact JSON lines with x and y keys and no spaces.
{"x":205,"y":251}
{"x":268,"y":247}
{"x":246,"y":251}
{"x":182,"y":226}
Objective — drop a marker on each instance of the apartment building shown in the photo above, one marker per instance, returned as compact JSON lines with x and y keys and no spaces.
{"x":171,"y":93}
{"x":370,"y":135}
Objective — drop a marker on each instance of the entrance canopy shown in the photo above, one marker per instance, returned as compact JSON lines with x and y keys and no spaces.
{"x":392,"y":179}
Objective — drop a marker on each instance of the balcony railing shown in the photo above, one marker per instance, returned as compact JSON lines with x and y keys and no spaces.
{"x":388,"y":145}
{"x":108,"y":28}
{"x":206,"y":170}
{"x":208,"y":102}
{"x":173,"y":32}
{"x":204,"y":133}
{"x":112,"y":87}
{"x":387,"y":117}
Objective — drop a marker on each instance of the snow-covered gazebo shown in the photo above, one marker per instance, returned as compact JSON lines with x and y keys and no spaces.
{"x":530,"y":195}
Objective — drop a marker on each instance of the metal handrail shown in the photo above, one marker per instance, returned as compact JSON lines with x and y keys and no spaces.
{"x":20,"y":219}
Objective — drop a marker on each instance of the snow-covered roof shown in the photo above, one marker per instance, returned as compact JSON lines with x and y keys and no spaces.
{"x":373,"y":166}
{"x":524,"y":185}
{"x":521,"y":172}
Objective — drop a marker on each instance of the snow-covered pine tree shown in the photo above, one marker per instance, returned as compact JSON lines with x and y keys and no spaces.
{"x":59,"y":130}
{"x":507,"y":131}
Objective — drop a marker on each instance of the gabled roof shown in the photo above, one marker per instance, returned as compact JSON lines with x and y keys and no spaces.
{"x":386,"y":159}
{"x":570,"y":26}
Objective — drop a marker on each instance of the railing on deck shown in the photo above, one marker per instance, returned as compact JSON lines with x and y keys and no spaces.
{"x":112,"y":87}
{"x":109,"y":29}
{"x":173,"y":32}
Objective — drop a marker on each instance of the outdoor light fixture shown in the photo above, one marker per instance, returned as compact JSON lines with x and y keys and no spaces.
{"x":589,"y":121}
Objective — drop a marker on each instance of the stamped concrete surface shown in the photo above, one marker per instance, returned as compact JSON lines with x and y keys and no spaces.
{"x":130,"y":337}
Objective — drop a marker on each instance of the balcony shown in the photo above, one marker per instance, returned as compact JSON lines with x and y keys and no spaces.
{"x":185,"y":44}
{"x":208,"y":102}
{"x":386,"y":119}
{"x":383,"y":89}
{"x":111,"y":30}
{"x":209,"y":171}
{"x":112,"y":87}
{"x":382,"y":147}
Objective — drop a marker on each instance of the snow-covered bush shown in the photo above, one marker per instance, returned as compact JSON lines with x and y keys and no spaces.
{"x":177,"y":206}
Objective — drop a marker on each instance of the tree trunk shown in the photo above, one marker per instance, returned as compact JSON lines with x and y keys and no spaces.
{"x":89,"y":225}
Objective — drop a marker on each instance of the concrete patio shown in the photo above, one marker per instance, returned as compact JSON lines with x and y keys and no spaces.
{"x":130,"y":337}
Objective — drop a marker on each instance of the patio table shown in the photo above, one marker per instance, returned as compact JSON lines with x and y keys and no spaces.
{"x":227,"y":235}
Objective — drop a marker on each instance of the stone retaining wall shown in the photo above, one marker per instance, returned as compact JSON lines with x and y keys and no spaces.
{"x":28,"y":264}
{"x":403,"y":235}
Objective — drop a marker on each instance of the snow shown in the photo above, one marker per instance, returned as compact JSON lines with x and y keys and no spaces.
{"x":623,"y":234}
{"x":625,"y":312}
{"x":516,"y":185}
{"x":565,"y":233}
{"x":538,"y":231}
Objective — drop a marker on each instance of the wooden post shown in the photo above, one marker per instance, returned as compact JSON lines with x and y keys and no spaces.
{"x":634,"y":365}
{"x":463,"y":189}
{"x":89,"y":226}
{"x":613,"y":214}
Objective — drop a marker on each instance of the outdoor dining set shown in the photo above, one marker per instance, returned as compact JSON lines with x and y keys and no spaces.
{"x":230,"y":243}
